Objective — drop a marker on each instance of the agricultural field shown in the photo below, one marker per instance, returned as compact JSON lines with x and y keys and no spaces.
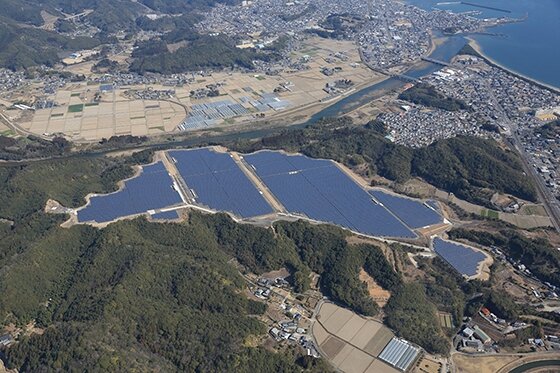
{"x":86,"y":112}
{"x":83,"y":112}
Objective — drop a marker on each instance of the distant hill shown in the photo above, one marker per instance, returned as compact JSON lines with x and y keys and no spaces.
{"x":23,"y":44}
{"x":23,"y":47}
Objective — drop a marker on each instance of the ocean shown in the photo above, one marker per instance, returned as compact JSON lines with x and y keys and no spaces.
{"x":530,"y":48}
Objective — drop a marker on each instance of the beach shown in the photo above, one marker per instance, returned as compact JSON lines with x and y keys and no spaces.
{"x":476,"y":46}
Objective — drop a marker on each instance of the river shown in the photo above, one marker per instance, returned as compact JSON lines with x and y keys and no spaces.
{"x":444,"y":52}
{"x":530,"y":48}
{"x":536,"y":364}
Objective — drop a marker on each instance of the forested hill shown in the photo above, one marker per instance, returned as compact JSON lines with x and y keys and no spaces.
{"x":134,"y":296}
{"x":471,"y":168}
{"x":24,"y":44}
{"x":164,"y":297}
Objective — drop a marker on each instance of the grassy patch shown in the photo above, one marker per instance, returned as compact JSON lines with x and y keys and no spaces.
{"x":445,"y":320}
{"x":92,"y":104}
{"x":490,"y":214}
{"x":57,"y":115}
{"x":7,"y":133}
{"x":75,"y":95}
{"x":78,"y":108}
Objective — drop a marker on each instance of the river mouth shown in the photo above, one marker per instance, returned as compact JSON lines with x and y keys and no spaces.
{"x":530,"y":47}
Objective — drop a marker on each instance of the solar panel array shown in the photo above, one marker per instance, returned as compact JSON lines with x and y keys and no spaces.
{"x":433,"y":204}
{"x":463,"y":258}
{"x":412,"y":212}
{"x":267,"y":101}
{"x":219,"y":183}
{"x":399,"y":353}
{"x":208,"y":114}
{"x":152,"y":189}
{"x":166,"y":215}
{"x":211,"y":113}
{"x":319,"y":190}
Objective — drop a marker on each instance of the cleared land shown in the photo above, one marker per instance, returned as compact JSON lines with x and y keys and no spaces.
{"x":376,"y":292}
{"x":426,"y":365}
{"x":480,"y":364}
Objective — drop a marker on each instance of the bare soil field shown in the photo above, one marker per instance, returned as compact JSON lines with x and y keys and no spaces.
{"x":427,"y":365}
{"x":351,"y":342}
{"x":480,"y":364}
{"x":376,"y":292}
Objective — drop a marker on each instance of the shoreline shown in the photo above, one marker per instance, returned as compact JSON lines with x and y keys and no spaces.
{"x":477,"y":47}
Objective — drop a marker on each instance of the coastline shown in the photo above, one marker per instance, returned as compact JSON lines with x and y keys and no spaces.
{"x":476,"y":46}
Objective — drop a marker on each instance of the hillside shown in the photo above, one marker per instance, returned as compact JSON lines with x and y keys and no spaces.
{"x":23,"y":44}
{"x":138,"y":294}
{"x":471,"y":168}
{"x":427,"y":95}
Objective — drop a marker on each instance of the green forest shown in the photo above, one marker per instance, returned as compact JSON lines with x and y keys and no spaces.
{"x":23,"y":45}
{"x":427,"y":95}
{"x":201,"y":52}
{"x":537,"y":254}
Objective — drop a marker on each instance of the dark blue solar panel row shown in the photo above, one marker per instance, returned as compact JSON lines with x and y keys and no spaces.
{"x":433,"y":204}
{"x":299,"y":196}
{"x":321,"y":191}
{"x":166,"y":215}
{"x":219,"y":183}
{"x":414,"y":213}
{"x":463,"y":258}
{"x":152,"y":189}
{"x":267,"y":163}
{"x":201,"y":161}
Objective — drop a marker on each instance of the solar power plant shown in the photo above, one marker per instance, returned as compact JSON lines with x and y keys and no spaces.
{"x":321,"y":191}
{"x":152,"y":189}
{"x":209,"y":114}
{"x":413,"y":213}
{"x":433,"y":204}
{"x":464,"y":259}
{"x":166,"y":215}
{"x":399,"y":353}
{"x":218,"y":182}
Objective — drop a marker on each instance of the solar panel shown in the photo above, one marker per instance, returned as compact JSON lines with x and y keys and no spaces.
{"x":166,"y":215}
{"x":399,"y":353}
{"x":152,"y":189}
{"x":412,"y":212}
{"x":463,"y":258}
{"x":219,"y":183}
{"x":433,"y":204}
{"x":319,"y":190}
